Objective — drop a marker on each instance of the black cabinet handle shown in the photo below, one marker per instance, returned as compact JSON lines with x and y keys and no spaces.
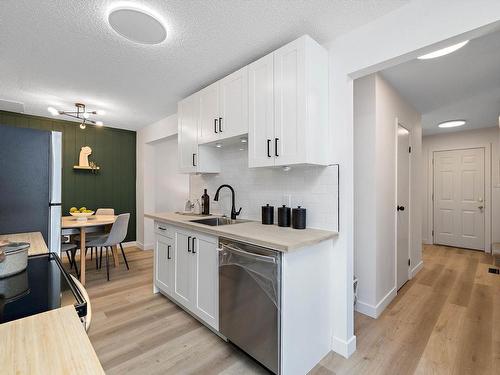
{"x":189,"y":240}
{"x":401,"y":208}
{"x":192,"y":245}
{"x":220,"y":124}
{"x":215,"y":125}
{"x":276,"y":146}
{"x":161,"y":228}
{"x":168,"y":252}
{"x":268,"y":148}
{"x":194,"y":164}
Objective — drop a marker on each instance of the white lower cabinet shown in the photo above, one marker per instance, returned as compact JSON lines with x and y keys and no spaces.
{"x":164,"y":263}
{"x":191,"y":275}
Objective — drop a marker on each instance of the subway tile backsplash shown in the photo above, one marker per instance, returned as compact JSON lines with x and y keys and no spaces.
{"x":312,"y":187}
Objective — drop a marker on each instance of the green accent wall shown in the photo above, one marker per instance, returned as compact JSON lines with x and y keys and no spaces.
{"x":113,"y":150}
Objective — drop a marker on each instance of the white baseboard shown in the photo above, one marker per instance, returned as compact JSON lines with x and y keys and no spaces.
{"x":415,"y":269}
{"x":129,"y":244}
{"x":375,"y":311}
{"x":425,"y":241}
{"x":344,"y":348}
{"x":141,"y":246}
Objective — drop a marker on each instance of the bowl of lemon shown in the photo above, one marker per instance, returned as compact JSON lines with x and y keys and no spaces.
{"x":81,"y":214}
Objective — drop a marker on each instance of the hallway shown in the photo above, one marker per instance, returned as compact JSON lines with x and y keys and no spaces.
{"x":444,"y":321}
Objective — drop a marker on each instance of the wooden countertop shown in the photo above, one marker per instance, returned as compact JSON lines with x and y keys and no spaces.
{"x":37,"y":243}
{"x":53,"y":342}
{"x":270,"y":236}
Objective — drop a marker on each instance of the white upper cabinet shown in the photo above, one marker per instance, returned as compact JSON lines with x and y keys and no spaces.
{"x":233,"y":101}
{"x":297,"y":132}
{"x":261,"y":112}
{"x":193,"y":158}
{"x":209,"y":114}
{"x":187,"y":117}
{"x":280,"y":100}
{"x":224,"y":108}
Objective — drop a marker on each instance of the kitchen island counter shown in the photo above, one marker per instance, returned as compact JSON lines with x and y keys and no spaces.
{"x":35,"y":239}
{"x":53,"y":342}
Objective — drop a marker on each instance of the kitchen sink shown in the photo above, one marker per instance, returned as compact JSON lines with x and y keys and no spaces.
{"x":217,"y":221}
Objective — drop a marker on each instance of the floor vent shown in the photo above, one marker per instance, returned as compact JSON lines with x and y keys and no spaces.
{"x":494,"y":270}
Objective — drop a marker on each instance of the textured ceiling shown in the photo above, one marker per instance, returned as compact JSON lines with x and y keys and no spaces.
{"x":462,"y":85}
{"x":57,"y":52}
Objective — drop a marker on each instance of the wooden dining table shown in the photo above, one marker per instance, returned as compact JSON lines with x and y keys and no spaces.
{"x":70,"y":225}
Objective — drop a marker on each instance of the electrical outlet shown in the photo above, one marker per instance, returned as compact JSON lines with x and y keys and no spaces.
{"x":287,"y":200}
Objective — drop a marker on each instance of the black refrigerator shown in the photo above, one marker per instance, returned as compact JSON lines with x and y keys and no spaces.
{"x":30,"y":183}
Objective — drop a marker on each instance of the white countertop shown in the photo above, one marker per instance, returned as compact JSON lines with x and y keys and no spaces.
{"x":270,"y":236}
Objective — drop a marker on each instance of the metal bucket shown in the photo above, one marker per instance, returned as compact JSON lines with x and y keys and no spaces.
{"x":13,"y":258}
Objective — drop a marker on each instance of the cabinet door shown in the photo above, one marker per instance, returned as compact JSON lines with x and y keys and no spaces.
{"x":208,"y":130}
{"x":206,"y":280}
{"x":233,"y":97}
{"x":187,"y":134}
{"x":289,"y":142}
{"x":164,"y":262}
{"x":261,"y":112}
{"x":183,"y":264}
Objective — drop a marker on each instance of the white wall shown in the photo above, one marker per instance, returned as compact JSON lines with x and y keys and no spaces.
{"x":314,"y":188}
{"x":378,"y":108}
{"x":171,"y":188}
{"x":394,"y":38}
{"x":160,"y":133}
{"x":487,"y":137}
{"x":388,"y":40}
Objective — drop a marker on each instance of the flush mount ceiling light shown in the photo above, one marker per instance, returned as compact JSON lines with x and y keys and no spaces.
{"x":81,"y":113}
{"x":443,"y":51}
{"x":451,"y":123}
{"x":137,"y":24}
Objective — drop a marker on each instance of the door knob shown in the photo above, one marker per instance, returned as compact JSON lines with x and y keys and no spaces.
{"x":401,"y":208}
{"x":480,"y":207}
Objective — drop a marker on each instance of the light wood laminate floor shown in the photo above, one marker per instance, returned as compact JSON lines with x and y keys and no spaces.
{"x":444,"y":321}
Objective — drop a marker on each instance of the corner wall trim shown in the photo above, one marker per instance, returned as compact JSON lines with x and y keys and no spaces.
{"x":344,"y":348}
{"x":375,"y":311}
{"x":415,"y":269}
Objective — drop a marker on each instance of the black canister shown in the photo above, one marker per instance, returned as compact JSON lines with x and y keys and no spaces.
{"x":268,"y":214}
{"x":299,"y":218}
{"x":284,"y":216}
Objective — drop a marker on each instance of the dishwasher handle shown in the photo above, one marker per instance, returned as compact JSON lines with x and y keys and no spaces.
{"x":264,"y":258}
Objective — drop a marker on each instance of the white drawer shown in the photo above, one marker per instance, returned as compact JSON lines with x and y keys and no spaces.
{"x":164,"y":229}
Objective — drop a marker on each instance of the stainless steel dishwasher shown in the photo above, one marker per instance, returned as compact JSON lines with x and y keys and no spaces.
{"x":250,"y":300}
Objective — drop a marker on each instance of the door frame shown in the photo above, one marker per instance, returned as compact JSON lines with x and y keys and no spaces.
{"x":410,"y":202}
{"x":487,"y":189}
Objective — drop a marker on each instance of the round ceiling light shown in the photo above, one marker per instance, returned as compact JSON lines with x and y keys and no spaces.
{"x":451,"y":124}
{"x":443,"y":51}
{"x":137,"y":25}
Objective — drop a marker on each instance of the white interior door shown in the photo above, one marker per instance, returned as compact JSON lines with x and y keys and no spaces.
{"x":459,"y":198}
{"x":403,"y":206}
